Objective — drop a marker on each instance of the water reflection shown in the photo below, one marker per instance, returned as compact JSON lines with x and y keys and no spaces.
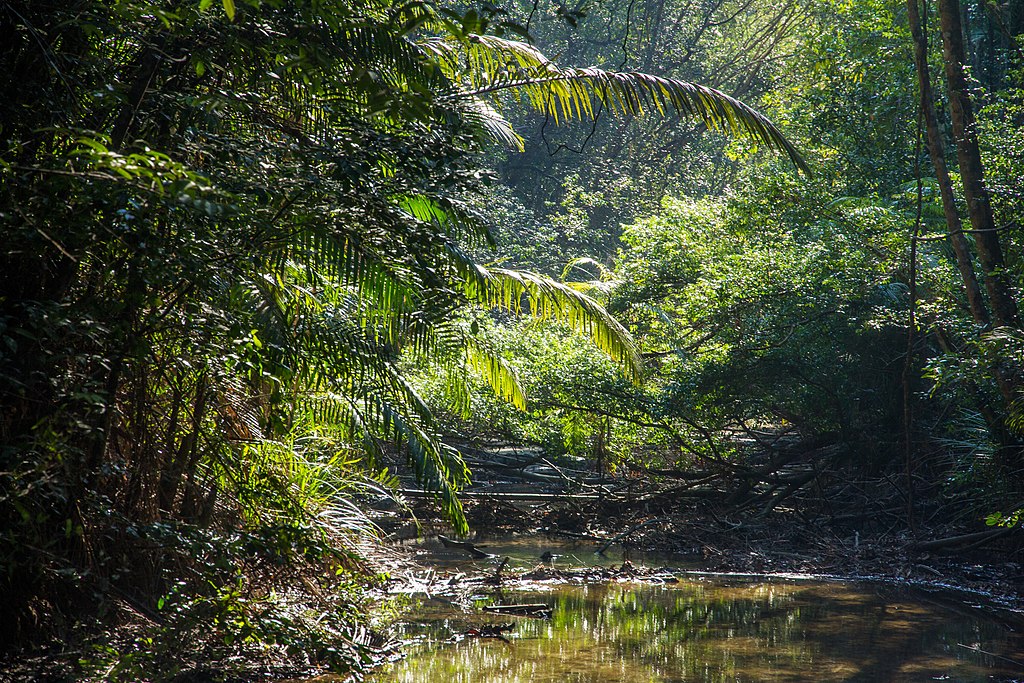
{"x":715,"y":631}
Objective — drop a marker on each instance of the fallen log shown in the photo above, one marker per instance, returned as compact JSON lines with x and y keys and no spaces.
{"x":978,"y":538}
{"x":786,"y":492}
{"x":505,"y":495}
{"x":537,"y":610}
{"x":470,"y":548}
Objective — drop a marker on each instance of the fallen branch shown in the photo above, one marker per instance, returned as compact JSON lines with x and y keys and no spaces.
{"x":978,"y":538}
{"x":594,"y":483}
{"x":470,"y":548}
{"x":507,"y":495}
{"x":974,"y":648}
{"x":785,"y":493}
{"x":627,"y":532}
{"x":538,"y":610}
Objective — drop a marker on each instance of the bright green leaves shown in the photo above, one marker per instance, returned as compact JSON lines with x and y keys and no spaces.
{"x":762,"y":313}
{"x":498,"y":372}
{"x":450,"y":215}
{"x":148,"y":170}
{"x":229,"y":7}
{"x":544,"y":298}
{"x":1009,"y":520}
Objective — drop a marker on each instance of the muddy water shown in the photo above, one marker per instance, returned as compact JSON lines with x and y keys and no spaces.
{"x":712,"y":629}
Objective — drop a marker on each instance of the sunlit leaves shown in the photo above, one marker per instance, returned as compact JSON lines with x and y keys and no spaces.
{"x":494,"y":65}
{"x":522,"y":292}
{"x":500,"y":375}
{"x":284,"y":214}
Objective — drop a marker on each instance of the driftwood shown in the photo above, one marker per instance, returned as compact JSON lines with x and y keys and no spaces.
{"x":537,"y":610}
{"x":470,"y":548}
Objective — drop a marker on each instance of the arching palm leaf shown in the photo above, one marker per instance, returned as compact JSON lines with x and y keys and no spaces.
{"x":491,"y":65}
{"x":528,"y":293}
{"x":500,"y":375}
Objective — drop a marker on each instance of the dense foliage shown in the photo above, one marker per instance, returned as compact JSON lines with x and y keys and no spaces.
{"x":224,"y":224}
{"x":868,"y":309}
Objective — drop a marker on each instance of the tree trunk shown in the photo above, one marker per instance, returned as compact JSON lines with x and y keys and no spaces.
{"x":957,"y":239}
{"x":990,"y":253}
{"x":1003,"y":306}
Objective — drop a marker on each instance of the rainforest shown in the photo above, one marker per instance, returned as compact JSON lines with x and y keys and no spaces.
{"x":290,"y":288}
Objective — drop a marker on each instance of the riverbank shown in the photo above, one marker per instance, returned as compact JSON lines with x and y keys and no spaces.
{"x":781,"y":542}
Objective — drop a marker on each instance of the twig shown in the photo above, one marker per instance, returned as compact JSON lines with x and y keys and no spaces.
{"x":573,"y":534}
{"x":978,"y":538}
{"x":990,"y":654}
{"x":538,"y":610}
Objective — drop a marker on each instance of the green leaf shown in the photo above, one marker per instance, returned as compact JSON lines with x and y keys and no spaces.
{"x":229,"y":9}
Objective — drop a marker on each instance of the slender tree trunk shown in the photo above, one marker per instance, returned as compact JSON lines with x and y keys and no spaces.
{"x":148,"y":65}
{"x":987,"y":240}
{"x":990,"y":253}
{"x":957,"y":239}
{"x":909,"y":371}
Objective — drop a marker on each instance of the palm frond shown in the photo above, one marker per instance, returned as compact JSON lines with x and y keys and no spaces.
{"x":573,"y":94}
{"x":481,"y":58}
{"x":603,"y":271}
{"x":493,"y":65}
{"x":438,"y":467}
{"x":453,"y":216}
{"x":374,"y":420}
{"x":545,"y":298}
{"x":488,"y":120}
{"x":602,"y":286}
{"x":500,"y":375}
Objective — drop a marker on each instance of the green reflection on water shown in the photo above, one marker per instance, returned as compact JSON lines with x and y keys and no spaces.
{"x":714,"y":631}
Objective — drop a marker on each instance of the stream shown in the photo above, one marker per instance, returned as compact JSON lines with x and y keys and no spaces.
{"x":699,"y":628}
